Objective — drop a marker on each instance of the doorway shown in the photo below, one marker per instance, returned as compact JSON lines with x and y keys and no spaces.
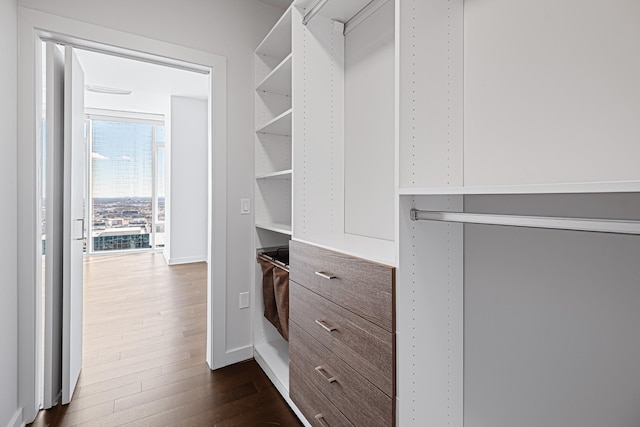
{"x":126,"y":105}
{"x":36,"y":26}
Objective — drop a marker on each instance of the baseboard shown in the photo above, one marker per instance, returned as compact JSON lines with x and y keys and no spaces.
{"x":166,"y":255}
{"x":239,"y":355}
{"x":187,"y":260}
{"x":16,"y":420}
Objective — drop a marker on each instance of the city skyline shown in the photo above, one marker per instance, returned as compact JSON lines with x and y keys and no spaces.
{"x":122,"y":159}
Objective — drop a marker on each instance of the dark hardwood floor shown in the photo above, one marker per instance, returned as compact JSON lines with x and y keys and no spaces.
{"x":144,"y":355}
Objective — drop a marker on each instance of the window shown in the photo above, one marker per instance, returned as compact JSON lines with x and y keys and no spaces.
{"x":123,"y":183}
{"x":160,"y":193}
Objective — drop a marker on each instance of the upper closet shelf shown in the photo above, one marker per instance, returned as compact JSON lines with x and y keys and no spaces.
{"x":279,"y":80}
{"x":339,"y":10}
{"x":277,"y":44}
{"x":280,"y":125}
{"x":566,"y":188}
{"x":277,"y":227}
{"x":285,"y":174}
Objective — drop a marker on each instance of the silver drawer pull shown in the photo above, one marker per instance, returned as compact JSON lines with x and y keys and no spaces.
{"x":324,"y":326}
{"x":325,"y":275}
{"x":321,"y":371}
{"x":321,"y":420}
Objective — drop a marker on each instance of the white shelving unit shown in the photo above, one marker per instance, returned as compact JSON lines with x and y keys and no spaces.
{"x":273,"y":178}
{"x":344,"y":127}
{"x":273,"y":146}
{"x":279,"y":125}
{"x":372,"y":108}
{"x":279,"y":80}
{"x":315,"y":143}
{"x":497,"y":115}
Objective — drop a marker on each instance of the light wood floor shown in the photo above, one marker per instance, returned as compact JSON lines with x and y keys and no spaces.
{"x":144,"y":354}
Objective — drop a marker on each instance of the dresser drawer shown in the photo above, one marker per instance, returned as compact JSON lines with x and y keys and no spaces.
{"x":315,"y":407}
{"x":364,"y":346}
{"x":364,"y":287}
{"x":361,"y":402}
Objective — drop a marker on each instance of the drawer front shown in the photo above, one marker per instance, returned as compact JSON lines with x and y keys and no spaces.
{"x":315,"y":407}
{"x":361,"y":402}
{"x":364,"y":287}
{"x":366,"y":347}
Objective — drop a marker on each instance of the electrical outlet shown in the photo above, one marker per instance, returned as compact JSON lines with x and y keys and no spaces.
{"x":244,"y":299}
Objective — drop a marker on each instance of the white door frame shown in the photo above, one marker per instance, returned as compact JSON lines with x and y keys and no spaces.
{"x":32,"y":27}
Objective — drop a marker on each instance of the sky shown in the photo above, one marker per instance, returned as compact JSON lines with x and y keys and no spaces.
{"x":121,"y":159}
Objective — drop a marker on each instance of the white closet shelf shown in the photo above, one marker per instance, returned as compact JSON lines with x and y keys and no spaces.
{"x":377,"y":250}
{"x":567,"y":188}
{"x":277,"y":227}
{"x":273,"y":358}
{"x":340,"y":10}
{"x":280,"y":125}
{"x":276,"y":356}
{"x":277,"y":44}
{"x":284,"y":174}
{"x":279,"y":80}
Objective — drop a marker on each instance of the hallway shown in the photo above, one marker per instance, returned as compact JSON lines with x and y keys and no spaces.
{"x":144,"y":354}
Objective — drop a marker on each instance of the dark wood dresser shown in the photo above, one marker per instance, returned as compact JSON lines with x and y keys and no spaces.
{"x":342,"y":338}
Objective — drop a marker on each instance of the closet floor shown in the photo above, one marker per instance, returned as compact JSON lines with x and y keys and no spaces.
{"x":144,"y":354}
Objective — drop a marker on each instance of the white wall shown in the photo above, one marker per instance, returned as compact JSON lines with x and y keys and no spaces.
{"x":186,"y":217}
{"x":8,"y":214}
{"x":229,"y":28}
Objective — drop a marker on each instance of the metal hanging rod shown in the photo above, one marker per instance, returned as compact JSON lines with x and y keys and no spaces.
{"x":352,"y":22}
{"x":273,"y":261}
{"x":313,"y":11}
{"x":363,"y":15}
{"x":616,"y":226}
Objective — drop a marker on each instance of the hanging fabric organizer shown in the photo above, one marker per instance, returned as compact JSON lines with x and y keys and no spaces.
{"x":275,"y":288}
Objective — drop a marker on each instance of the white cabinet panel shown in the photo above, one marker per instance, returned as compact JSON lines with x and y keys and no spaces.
{"x":551,"y":91}
{"x":369,"y":126}
{"x":318,"y":127}
{"x":429,"y":43}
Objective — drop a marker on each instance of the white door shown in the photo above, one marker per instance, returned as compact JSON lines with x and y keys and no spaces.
{"x":73,"y":229}
{"x":54,"y":157}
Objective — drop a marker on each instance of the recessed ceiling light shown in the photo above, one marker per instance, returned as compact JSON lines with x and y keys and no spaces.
{"x":107,"y":90}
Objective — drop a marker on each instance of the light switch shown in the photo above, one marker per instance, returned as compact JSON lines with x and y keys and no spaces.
{"x":245,"y":206}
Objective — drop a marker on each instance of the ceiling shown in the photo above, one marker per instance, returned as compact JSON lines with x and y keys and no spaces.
{"x":152,"y":85}
{"x":283,"y":4}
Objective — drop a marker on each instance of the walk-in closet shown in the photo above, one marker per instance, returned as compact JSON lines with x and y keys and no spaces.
{"x":460,"y":180}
